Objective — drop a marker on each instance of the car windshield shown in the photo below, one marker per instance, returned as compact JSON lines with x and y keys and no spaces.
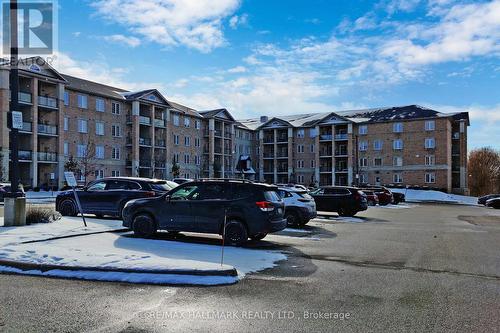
{"x":184,"y":192}
{"x":161,"y":186}
{"x":271,"y":196}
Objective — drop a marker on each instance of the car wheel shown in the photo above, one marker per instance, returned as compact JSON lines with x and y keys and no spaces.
{"x":144,"y":226}
{"x":292,"y":219}
{"x":236,"y":233}
{"x":258,"y":236}
{"x":304,"y":222}
{"x":68,"y":208}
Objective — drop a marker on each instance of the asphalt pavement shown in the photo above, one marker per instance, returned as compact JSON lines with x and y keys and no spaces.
{"x":425,"y":268}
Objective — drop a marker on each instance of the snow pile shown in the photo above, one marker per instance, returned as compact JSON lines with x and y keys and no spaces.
{"x":435,"y":196}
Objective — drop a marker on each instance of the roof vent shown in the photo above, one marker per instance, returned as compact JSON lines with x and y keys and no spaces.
{"x":264,"y":119}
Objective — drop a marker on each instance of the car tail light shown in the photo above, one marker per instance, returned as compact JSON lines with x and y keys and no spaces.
{"x":150,"y":194}
{"x":265,"y":206}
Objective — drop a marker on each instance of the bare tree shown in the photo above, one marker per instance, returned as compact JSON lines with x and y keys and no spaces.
{"x":484,"y":171}
{"x":88,"y":163}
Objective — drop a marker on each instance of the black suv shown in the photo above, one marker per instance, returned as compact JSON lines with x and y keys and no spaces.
{"x":108,"y":196}
{"x":346,"y":201}
{"x":252,"y":210}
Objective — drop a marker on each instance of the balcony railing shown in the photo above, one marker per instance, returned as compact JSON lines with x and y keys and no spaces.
{"x":27,"y":127}
{"x":325,"y":152}
{"x":47,"y":129}
{"x":326,"y":137}
{"x":160,"y":143}
{"x":47,"y":157}
{"x":24,"y":97}
{"x":227,"y":135}
{"x":342,"y":136}
{"x":341,"y":152}
{"x":218,"y":133}
{"x":218,"y":150}
{"x":227,"y":151}
{"x":325,"y":168}
{"x":24,"y":155}
{"x":159,"y":123}
{"x":282,"y":138}
{"x":268,"y":139}
{"x":282,"y":169}
{"x":268,"y":154}
{"x":282,"y":154}
{"x":143,"y":120}
{"x":145,"y":141}
{"x":160,"y":164}
{"x":145,"y":163}
{"x":49,"y":102}
{"x":268,"y":170}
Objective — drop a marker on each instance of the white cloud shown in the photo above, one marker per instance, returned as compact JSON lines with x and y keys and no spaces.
{"x":237,"y":69}
{"x":76,"y":34}
{"x":125,"y":40}
{"x":192,"y":23}
{"x":401,"y":6}
{"x":237,"y":21}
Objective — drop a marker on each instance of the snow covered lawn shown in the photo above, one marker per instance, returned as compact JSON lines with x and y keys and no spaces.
{"x":433,"y":196}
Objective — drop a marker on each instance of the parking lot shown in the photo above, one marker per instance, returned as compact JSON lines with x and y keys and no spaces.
{"x":414,"y":267}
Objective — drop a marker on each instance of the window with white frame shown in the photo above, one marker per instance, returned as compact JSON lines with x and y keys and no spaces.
{"x":187,"y":121}
{"x":398,"y":178}
{"x":66,"y":149}
{"x":99,"y":174}
{"x":397,"y":161}
{"x":66,"y":98}
{"x":363,"y":162}
{"x":176,"y":157}
{"x":313,"y":133}
{"x":377,"y":145}
{"x":187,"y":141}
{"x":430,"y":143}
{"x":115,"y":153}
{"x":300,"y":164}
{"x":377,"y":161}
{"x":197,"y":142}
{"x":197,"y":124}
{"x":363,"y":146}
{"x":82,"y":126}
{"x":363,"y":178}
{"x":300,"y":179}
{"x":116,"y":131}
{"x":82,"y":101}
{"x":363,"y":129}
{"x":81,"y":151}
{"x":99,"y":152}
{"x":430,"y":177}
{"x":115,"y":173}
{"x":311,"y":148}
{"x":397,"y":127}
{"x":176,"y":139}
{"x":397,"y":144}
{"x":300,"y":148}
{"x":430,"y":160}
{"x":186,"y":158}
{"x":176,"y":119}
{"x":430,"y":125}
{"x":312,"y":164}
{"x":300,"y":133}
{"x":100,"y":105}
{"x":99,"y":128}
{"x":116,"y":108}
{"x":66,"y":123}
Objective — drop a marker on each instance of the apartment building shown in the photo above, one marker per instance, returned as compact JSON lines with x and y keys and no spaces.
{"x":114,"y":132}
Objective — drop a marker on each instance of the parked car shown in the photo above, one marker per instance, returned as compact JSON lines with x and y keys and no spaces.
{"x":300,"y":207}
{"x":181,"y":181}
{"x":295,"y":186}
{"x":252,"y":210}
{"x":384,"y":195}
{"x":371,"y":198}
{"x":482,"y":200}
{"x":493,"y":203}
{"x":108,"y":196}
{"x":398,"y":197}
{"x":346,"y":201}
{"x":5,"y":188}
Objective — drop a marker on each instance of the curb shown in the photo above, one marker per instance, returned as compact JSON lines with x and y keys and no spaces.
{"x":25,"y":266}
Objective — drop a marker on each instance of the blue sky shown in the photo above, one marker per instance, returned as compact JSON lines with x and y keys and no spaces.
{"x":277,"y":57}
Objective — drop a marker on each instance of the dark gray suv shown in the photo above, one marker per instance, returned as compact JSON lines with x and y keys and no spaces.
{"x":252,"y":210}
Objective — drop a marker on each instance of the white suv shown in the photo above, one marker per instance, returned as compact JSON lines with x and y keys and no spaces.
{"x":300,"y":207}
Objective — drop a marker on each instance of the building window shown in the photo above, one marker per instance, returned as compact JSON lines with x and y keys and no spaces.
{"x":66,"y":98}
{"x":363,"y":178}
{"x":363,"y":130}
{"x":66,"y":123}
{"x":99,"y":152}
{"x":363,"y":162}
{"x":363,"y":146}
{"x":186,"y":158}
{"x":116,"y":108}
{"x":115,"y":173}
{"x":430,"y":160}
{"x":176,"y":119}
{"x":312,"y":164}
{"x":430,"y":143}
{"x":81,"y":151}
{"x":115,"y":153}
{"x":430,"y":177}
{"x":300,"y":179}
{"x":66,"y":149}
{"x":311,"y":148}
{"x":397,"y":144}
{"x":100,"y":105}
{"x":377,"y":161}
{"x":300,"y":148}
{"x":116,"y":131}
{"x":187,"y":141}
{"x":99,"y":174}
{"x":197,"y":124}
{"x":377,"y":145}
{"x":397,"y":127}
{"x":397,"y":178}
{"x":176,"y":140}
{"x":176,"y":157}
{"x":82,"y":101}
{"x":99,"y":128}
{"x":430,"y":125}
{"x":300,"y":164}
{"x":300,"y":133}
{"x":312,"y":134}
{"x":187,"y":122}
{"x":82,"y":126}
{"x":398,"y":161}
{"x":197,"y":142}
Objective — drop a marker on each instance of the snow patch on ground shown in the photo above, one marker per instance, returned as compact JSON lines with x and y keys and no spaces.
{"x":432,"y":196}
{"x":297,"y":230}
{"x":398,"y":206}
{"x":342,"y":219}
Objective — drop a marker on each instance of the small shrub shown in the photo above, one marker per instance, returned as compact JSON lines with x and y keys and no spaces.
{"x":41,"y":215}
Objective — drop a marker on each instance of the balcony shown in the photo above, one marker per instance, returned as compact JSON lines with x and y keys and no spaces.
{"x":325,"y":153}
{"x":27,"y":127}
{"x":143,"y":120}
{"x":24,"y":97}
{"x":325,"y":137}
{"x":341,"y":152}
{"x":47,"y":102}
{"x":282,"y":154}
{"x":47,"y":130}
{"x":47,"y":157}
{"x":160,"y":164}
{"x":145,"y":164}
{"x":227,"y":135}
{"x":24,"y":155}
{"x":160,"y":144}
{"x":218,"y":150}
{"x":269,"y":154}
{"x":282,"y":169}
{"x":227,"y":151}
{"x":268,"y":139}
{"x":341,"y":136}
{"x":282,"y":139}
{"x":160,"y":123}
{"x":145,"y":142}
{"x":218,"y":133}
{"x":325,"y":168}
{"x":340,"y":168}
